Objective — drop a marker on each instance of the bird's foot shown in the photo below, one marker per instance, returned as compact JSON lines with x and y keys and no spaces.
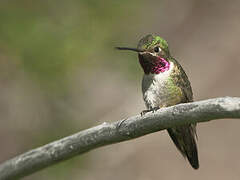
{"x":155,"y":109}
{"x":144,"y":112}
{"x":149,"y":110}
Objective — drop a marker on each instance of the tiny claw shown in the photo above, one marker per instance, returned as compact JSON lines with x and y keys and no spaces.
{"x":145,"y":111}
{"x":149,"y":110}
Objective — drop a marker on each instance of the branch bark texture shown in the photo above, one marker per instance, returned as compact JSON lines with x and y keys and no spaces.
{"x":109,"y":133}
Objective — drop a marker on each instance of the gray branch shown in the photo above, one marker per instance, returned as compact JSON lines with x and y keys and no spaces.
{"x":109,"y":133}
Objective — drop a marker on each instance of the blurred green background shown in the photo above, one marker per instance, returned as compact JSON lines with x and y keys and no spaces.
{"x":59,"y":74}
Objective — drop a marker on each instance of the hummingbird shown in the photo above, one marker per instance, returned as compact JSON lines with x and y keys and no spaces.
{"x":164,"y":84}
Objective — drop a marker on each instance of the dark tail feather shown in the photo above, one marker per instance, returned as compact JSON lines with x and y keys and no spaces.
{"x":184,"y":139}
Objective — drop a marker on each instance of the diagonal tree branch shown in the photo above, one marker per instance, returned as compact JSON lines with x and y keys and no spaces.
{"x":109,"y":133}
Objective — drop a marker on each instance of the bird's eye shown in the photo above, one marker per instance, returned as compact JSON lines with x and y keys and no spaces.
{"x":157,"y":49}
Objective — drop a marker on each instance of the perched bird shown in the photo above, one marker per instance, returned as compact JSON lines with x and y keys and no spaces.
{"x":166,"y":84}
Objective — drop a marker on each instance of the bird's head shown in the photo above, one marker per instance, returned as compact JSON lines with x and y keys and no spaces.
{"x":153,"y":54}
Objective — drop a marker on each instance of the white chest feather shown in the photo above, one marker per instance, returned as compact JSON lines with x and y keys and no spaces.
{"x":153,"y":87}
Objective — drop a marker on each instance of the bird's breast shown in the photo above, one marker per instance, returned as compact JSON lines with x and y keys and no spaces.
{"x":159,"y":90}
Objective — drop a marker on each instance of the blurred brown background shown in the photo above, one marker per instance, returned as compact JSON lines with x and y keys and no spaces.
{"x":59,"y":74}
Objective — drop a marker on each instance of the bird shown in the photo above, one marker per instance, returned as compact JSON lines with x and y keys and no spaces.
{"x":164,"y":84}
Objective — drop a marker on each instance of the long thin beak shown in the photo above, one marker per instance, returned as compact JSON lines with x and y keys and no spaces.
{"x":130,"y":49}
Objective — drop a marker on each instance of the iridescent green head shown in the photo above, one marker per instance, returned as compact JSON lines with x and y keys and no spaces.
{"x":154,"y":44}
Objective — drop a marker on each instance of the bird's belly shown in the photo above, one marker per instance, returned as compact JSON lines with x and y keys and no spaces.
{"x":161,"y":92}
